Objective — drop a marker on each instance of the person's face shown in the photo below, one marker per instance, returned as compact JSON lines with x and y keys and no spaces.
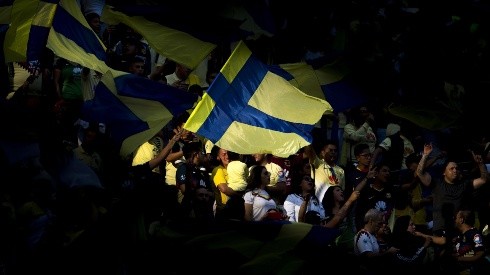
{"x":364,"y":112}
{"x":129,"y":49}
{"x":203,"y":195}
{"x":259,"y":157}
{"x":451,"y":172}
{"x":182,"y":72}
{"x":137,"y":68}
{"x":94,"y":23}
{"x":198,"y":158}
{"x":364,"y":157}
{"x":338,"y":194}
{"x":223,"y":156}
{"x":411,"y":227}
{"x":383,"y":173}
{"x":330,"y":153}
{"x":307,"y":183}
{"x":378,"y":223}
{"x":458,"y":220}
{"x":265,"y":177}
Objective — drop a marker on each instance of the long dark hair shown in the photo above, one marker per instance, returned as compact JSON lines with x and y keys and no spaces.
{"x":254,"y":179}
{"x":404,"y":240}
{"x":328,"y":201}
{"x":297,"y":175}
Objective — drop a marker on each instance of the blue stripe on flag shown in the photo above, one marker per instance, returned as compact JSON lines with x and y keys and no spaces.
{"x":107,"y":108}
{"x":174,"y":99}
{"x":281,"y":72}
{"x":232,"y":104}
{"x":71,"y":28}
{"x":36,"y":44}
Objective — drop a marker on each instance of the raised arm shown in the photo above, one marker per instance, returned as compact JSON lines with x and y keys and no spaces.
{"x":370,"y":175}
{"x":424,"y":177}
{"x":310,"y":153}
{"x":343,"y":211}
{"x":164,"y":153}
{"x":478,"y":182}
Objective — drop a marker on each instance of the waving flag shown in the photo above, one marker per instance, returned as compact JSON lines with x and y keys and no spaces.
{"x":255,"y":248}
{"x":434,"y":116}
{"x":248,"y":109}
{"x":331,"y":83}
{"x":72,"y":38}
{"x":134,"y":108}
{"x":178,"y":46}
{"x":26,"y":38}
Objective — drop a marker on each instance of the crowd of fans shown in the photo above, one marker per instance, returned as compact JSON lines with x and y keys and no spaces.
{"x":395,"y":197}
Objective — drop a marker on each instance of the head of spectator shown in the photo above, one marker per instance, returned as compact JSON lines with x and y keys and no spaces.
{"x":182,"y":71}
{"x":259,"y":178}
{"x":196,"y":89}
{"x":363,"y":155}
{"x":333,"y":195}
{"x":451,"y":171}
{"x":329,"y":152}
{"x":93,"y":20}
{"x":222,"y":156}
{"x":131,"y":46}
{"x":373,"y":220}
{"x":193,"y":153}
{"x":136,"y":66}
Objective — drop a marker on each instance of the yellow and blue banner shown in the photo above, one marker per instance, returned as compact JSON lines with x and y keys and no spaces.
{"x":134,"y":108}
{"x":330,"y":82}
{"x":26,"y":37}
{"x":248,"y":109}
{"x":60,"y":25}
{"x":178,"y":46}
{"x":72,"y":38}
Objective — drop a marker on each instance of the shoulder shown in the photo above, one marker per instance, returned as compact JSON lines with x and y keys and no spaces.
{"x":275,"y":166}
{"x":294,"y":198}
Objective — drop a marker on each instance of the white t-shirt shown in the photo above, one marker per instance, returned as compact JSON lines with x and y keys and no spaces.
{"x":293,"y":203}
{"x":365,"y":242}
{"x":261,"y":203}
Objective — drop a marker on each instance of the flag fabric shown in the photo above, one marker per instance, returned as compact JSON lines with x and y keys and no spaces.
{"x":134,"y":108}
{"x":26,"y":38}
{"x":72,"y":38}
{"x":248,"y":109}
{"x":178,"y":46}
{"x":330,"y":82}
{"x":434,"y":116}
{"x":255,"y":248}
{"x":256,"y":18}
